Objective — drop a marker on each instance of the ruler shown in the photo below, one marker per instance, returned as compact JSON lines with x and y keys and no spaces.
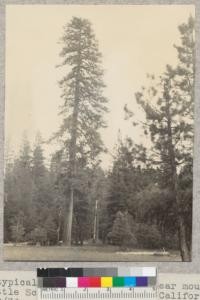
{"x":97,"y":293}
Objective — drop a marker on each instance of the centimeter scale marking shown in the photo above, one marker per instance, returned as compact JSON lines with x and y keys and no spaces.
{"x":103,"y":293}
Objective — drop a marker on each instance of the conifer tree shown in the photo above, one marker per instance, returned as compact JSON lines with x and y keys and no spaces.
{"x":169,"y":114}
{"x":121,"y":232}
{"x":83,"y":107}
{"x":18,"y":190}
{"x":125,"y":179}
{"x":22,"y":173}
{"x":17,"y":232}
{"x":38,"y":165}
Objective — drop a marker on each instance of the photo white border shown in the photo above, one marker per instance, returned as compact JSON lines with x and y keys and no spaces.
{"x":164,"y":267}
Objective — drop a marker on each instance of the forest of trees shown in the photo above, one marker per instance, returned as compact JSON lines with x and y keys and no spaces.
{"x":145,"y":199}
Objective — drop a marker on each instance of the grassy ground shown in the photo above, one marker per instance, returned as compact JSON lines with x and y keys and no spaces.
{"x":84,"y":253}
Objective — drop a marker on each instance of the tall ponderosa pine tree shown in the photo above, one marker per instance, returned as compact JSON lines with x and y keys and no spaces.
{"x":84,"y":104}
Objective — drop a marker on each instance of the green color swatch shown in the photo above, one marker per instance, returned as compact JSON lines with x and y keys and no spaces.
{"x":118,"y":281}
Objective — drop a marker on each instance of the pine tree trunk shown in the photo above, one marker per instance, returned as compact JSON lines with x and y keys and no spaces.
{"x":67,"y":233}
{"x":59,"y":226}
{"x":184,"y":250}
{"x":95,"y":231}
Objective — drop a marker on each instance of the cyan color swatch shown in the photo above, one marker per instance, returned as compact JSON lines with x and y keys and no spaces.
{"x":130,"y":281}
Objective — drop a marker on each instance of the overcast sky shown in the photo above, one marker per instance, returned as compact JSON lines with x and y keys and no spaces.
{"x":134,"y":40}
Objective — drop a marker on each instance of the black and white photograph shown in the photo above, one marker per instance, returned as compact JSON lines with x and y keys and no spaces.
{"x":99,"y":132}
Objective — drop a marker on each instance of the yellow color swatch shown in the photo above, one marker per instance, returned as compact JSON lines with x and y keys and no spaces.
{"x":106,"y":282}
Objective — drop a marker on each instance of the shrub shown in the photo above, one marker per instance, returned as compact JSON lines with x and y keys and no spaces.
{"x":171,"y":241}
{"x":121,"y":234}
{"x":17,"y":233}
{"x":51,"y":231}
{"x":39,"y":235}
{"x":148,"y":236}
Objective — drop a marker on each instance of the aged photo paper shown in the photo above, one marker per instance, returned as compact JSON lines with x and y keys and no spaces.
{"x":22,"y":285}
{"x":99,"y":129}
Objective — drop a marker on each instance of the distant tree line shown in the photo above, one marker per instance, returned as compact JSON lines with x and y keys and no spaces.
{"x":145,"y":199}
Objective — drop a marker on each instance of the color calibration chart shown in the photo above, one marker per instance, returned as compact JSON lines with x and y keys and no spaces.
{"x":97,"y":283}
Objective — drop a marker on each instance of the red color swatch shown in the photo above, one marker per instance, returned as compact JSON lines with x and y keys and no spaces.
{"x":95,"y":281}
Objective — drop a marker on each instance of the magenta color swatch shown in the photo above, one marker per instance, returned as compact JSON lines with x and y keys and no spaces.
{"x":83,"y":282}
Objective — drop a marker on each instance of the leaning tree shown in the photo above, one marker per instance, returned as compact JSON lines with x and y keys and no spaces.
{"x":169,"y":108}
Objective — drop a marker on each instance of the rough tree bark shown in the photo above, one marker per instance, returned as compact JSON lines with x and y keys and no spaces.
{"x":95,"y":232}
{"x":67,"y":234}
{"x":185,"y":252}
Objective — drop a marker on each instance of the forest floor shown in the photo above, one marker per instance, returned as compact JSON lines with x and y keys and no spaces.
{"x":84,"y":253}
